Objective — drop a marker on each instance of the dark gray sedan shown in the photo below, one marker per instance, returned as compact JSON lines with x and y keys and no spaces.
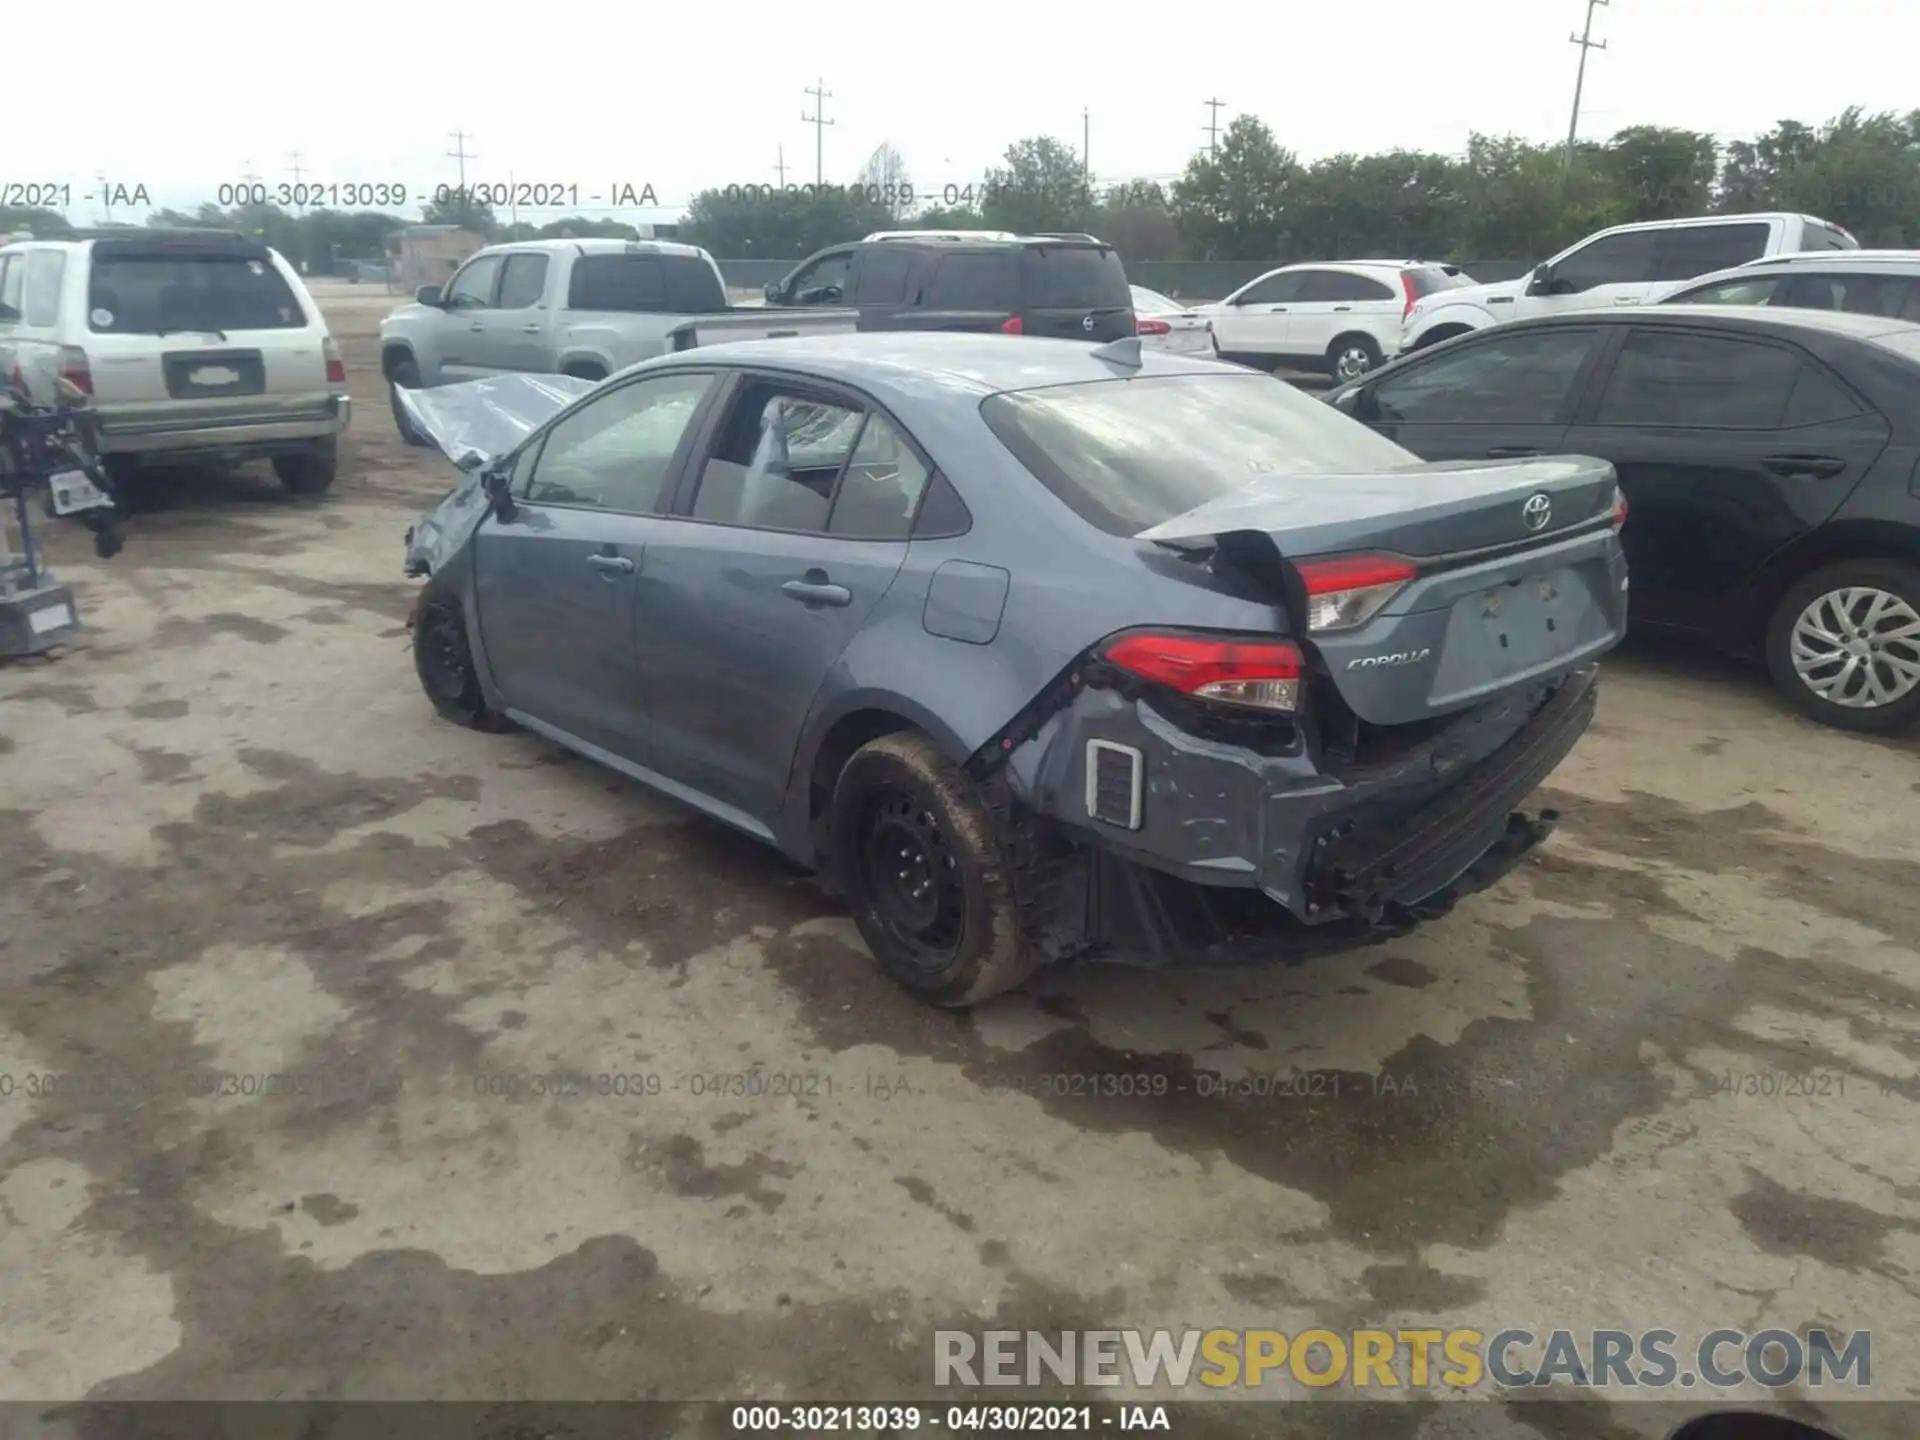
{"x":1038,"y":650}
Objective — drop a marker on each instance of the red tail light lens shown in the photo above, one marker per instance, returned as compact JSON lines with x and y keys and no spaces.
{"x":336,"y":366}
{"x":1413,"y":296}
{"x":1152,"y":327}
{"x":1012,"y":325}
{"x":1619,"y":510}
{"x":75,"y":369}
{"x":1247,"y":671}
{"x":1346,"y":591}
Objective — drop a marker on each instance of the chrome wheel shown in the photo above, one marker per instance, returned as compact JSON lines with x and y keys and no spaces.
{"x":1352,"y":363}
{"x":1857,"y":647}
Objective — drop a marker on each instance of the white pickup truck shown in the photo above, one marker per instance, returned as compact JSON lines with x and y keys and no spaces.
{"x":1626,"y":265}
{"x":584,"y":308}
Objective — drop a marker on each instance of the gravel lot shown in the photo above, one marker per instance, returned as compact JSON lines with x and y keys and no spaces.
{"x":237,"y":841}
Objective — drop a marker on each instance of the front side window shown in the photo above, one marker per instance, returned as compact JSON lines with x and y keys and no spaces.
{"x":472,"y":288}
{"x":1623,"y":259}
{"x":615,"y":452}
{"x":824,"y":282}
{"x":1273,"y":289}
{"x":1523,"y":379}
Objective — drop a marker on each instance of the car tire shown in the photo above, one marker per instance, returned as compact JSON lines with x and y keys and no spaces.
{"x":311,"y":471}
{"x":1352,"y":356}
{"x":1818,"y":606}
{"x":947,"y":924}
{"x":444,"y":663}
{"x":404,"y":375}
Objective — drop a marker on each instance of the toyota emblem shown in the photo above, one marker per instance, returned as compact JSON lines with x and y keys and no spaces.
{"x":1537,"y":511}
{"x":1087,"y":324}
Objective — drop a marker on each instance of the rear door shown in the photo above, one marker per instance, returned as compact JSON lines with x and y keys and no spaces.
{"x":1337,"y":304}
{"x":463,"y":325}
{"x":219,"y":326}
{"x":1728,"y":447}
{"x":517,"y":333}
{"x":790,"y":527}
{"x":1501,"y":395}
{"x":967,"y":290}
{"x":555,"y":583}
{"x":1075,"y":292}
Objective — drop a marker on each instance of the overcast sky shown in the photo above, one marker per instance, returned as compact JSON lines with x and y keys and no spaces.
{"x":680,"y":96}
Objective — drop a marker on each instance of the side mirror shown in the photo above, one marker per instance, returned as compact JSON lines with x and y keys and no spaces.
{"x":427,"y":295}
{"x":1541,"y":281}
{"x":774,"y":293}
{"x":498,"y":485}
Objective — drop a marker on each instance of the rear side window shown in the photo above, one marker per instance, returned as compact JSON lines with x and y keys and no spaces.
{"x":1073,"y":277}
{"x":1334,"y":286}
{"x":1816,"y":400}
{"x":45,"y":270}
{"x":1126,"y":455}
{"x":976,"y":281}
{"x":628,"y":284}
{"x":13,"y":279}
{"x":883,"y":276}
{"x":1434,"y":278}
{"x":145,"y":294}
{"x":1698,"y":382}
{"x":1691,"y":250}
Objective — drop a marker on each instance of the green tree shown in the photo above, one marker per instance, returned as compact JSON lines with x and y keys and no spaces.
{"x":1043,"y":186}
{"x":41,"y":223}
{"x":1401,"y":203}
{"x":744,"y":224}
{"x":1136,"y":218}
{"x":464,"y":211}
{"x":949,"y":217}
{"x":1232,"y":204}
{"x":1659,"y":173}
{"x":1861,"y":172}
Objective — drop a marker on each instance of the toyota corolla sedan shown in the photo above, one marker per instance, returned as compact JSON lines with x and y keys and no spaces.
{"x":1039,"y":651}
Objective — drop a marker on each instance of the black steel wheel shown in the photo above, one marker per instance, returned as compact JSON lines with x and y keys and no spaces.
{"x":445,"y":665}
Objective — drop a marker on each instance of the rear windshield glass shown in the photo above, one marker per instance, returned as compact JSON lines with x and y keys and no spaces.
{"x":1128,"y":454}
{"x":160,"y":294}
{"x":1073,"y":277}
{"x":1426,"y":281}
{"x":650,"y":284}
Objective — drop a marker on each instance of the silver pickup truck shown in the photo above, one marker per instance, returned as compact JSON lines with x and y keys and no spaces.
{"x":584,"y":308}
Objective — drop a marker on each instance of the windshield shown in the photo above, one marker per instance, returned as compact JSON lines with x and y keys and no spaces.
{"x":1129,"y":454}
{"x":161,"y":294}
{"x":1073,"y":277}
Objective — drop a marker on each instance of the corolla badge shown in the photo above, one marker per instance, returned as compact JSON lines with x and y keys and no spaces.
{"x":1404,"y":657}
{"x":1087,"y":324}
{"x":1537,"y":511}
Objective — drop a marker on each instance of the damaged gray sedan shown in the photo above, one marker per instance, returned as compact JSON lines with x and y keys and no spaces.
{"x":1038,"y":651}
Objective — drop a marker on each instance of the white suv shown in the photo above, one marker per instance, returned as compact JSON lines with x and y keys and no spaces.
{"x":1342,"y":317}
{"x":1626,"y":265}
{"x":194,"y":344}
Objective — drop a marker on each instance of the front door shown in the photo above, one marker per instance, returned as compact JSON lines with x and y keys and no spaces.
{"x":1502,"y":395}
{"x":1612,"y":269}
{"x":1254,"y":321}
{"x":556,"y":580}
{"x":1727,"y":449}
{"x":463,"y":329}
{"x":795,"y":525}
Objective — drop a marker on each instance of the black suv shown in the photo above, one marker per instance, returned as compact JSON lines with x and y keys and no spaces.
{"x":1069,"y":287}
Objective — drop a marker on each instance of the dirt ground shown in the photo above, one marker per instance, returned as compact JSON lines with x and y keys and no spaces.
{"x":236,"y":842}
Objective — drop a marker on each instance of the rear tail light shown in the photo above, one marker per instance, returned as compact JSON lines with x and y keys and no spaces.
{"x":1248,"y":671}
{"x":1348,"y":590}
{"x":1619,"y":510}
{"x":1152,"y":327}
{"x":1012,"y":325}
{"x":75,"y":369}
{"x":1413,"y":295}
{"x":336,"y":366}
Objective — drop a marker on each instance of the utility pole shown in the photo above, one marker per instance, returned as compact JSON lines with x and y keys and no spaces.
{"x":1212,"y":127}
{"x":1086,"y":148}
{"x":106,"y":196}
{"x":819,"y":121}
{"x":460,"y":153}
{"x":299,"y":196}
{"x":780,"y":165}
{"x":1586,"y":42}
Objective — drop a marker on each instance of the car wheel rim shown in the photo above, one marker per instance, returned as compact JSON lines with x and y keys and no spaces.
{"x":1354,"y":363}
{"x":912,"y":879}
{"x":446,"y":662}
{"x":1858,"y":647}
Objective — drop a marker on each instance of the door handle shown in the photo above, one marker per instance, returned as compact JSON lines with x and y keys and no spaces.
{"x":1341,"y":309}
{"x":1276,"y":309}
{"x":1512,"y":452}
{"x":476,"y":327}
{"x":1626,"y":299}
{"x":529,"y":329}
{"x":1823,"y":466}
{"x":612,"y":564}
{"x":817,"y":592}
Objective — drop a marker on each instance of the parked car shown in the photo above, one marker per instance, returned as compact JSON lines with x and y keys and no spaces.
{"x":1863,"y":282}
{"x":1039,"y":649}
{"x":1166,"y":324}
{"x":1071,"y":287}
{"x":1340,"y":319}
{"x":195,"y":345}
{"x":1771,"y":458}
{"x":584,"y":308}
{"x":1624,"y":265}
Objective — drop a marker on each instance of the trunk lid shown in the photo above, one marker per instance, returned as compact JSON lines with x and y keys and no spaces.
{"x":1516,"y":574}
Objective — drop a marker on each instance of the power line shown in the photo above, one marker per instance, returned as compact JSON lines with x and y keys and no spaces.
{"x":1586,"y":42}
{"x":819,"y":121}
{"x":1212,"y":127}
{"x":460,"y":153}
